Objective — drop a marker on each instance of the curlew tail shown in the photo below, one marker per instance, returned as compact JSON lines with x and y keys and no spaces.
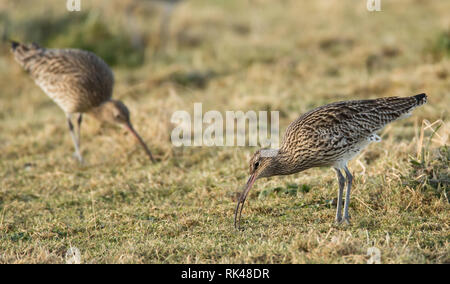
{"x":14,"y":45}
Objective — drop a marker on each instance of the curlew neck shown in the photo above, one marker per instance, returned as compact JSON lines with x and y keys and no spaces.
{"x":281,"y":163}
{"x":100,"y":112}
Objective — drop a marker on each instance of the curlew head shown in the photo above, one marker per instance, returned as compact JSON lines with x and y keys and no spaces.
{"x":116,"y":112}
{"x":262,"y":164}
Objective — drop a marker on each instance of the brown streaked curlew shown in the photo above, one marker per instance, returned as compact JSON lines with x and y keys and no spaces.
{"x":78,"y":82}
{"x":328,"y":136}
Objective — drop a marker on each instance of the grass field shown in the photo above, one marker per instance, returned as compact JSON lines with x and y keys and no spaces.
{"x":289,"y":56}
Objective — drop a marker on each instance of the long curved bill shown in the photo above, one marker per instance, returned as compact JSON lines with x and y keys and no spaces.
{"x":135,"y":134}
{"x":241,"y":201}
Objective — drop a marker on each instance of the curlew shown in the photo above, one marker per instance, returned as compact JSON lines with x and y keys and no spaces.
{"x":78,"y":82}
{"x":328,"y":136}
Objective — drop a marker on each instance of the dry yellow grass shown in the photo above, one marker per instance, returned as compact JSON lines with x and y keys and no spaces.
{"x":229,"y":55}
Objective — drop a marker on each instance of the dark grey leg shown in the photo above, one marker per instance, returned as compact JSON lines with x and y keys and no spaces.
{"x":80,"y":119}
{"x":341,"y":180}
{"x":347,"y":195}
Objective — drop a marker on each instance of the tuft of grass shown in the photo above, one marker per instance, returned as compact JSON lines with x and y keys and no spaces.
{"x":430,"y":170}
{"x":440,"y":46}
{"x":85,"y":30}
{"x":116,"y":46}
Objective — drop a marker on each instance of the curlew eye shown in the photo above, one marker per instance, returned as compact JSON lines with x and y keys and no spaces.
{"x":256,"y":165}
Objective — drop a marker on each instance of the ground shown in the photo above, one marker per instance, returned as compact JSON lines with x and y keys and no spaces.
{"x":256,"y":55}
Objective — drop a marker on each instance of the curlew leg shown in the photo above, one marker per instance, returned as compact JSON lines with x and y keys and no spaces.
{"x":79,"y":120}
{"x":74,"y":138}
{"x":347,"y":195}
{"x":341,"y":180}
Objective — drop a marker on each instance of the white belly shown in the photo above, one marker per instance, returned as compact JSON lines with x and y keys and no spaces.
{"x":355,"y":150}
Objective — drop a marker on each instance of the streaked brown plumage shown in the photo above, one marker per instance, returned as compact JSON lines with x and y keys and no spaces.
{"x":329,"y":136}
{"x":78,"y":82}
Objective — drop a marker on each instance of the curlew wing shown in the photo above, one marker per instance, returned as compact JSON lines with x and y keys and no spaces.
{"x":76,"y":80}
{"x":332,"y":130}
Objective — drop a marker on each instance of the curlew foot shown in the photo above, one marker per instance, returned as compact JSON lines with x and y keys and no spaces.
{"x":340,"y":221}
{"x":78,"y":157}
